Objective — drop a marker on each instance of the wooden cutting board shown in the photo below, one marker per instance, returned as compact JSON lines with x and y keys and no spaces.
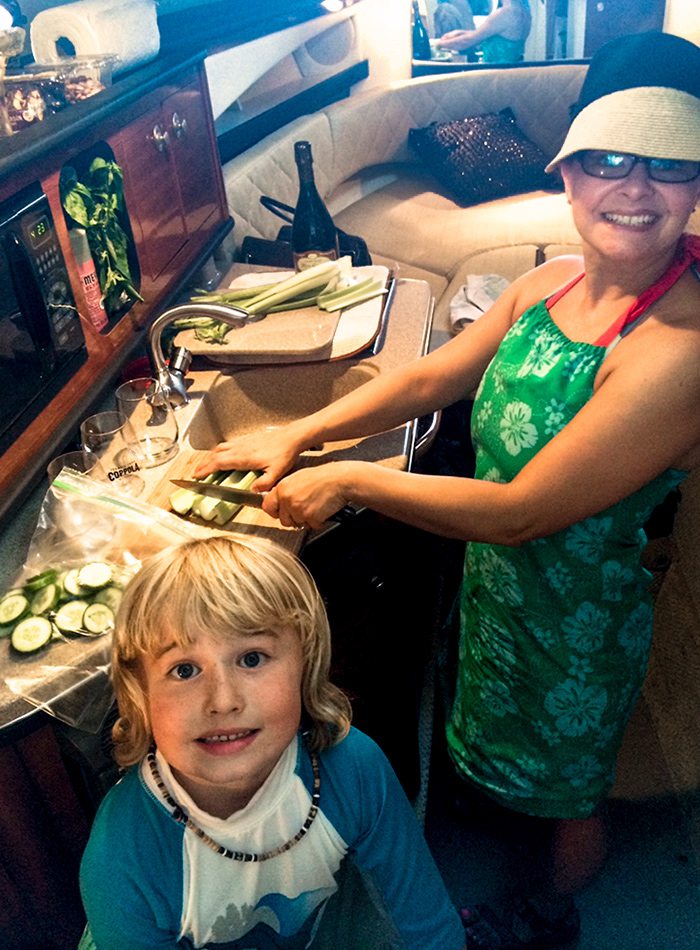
{"x":295,"y":336}
{"x":247,"y":521}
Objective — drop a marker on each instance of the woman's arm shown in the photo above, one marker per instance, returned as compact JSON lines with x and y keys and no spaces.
{"x":390,"y":399}
{"x":642,"y":420}
{"x":494,"y":24}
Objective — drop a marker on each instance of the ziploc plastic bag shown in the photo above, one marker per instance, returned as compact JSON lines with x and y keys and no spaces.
{"x":81,"y":522}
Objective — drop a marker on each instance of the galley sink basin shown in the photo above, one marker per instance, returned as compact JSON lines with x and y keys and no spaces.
{"x":237,"y":400}
{"x":263,"y":397}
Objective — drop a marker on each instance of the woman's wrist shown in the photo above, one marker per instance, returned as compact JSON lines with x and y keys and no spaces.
{"x":301,"y":435}
{"x":352,"y":483}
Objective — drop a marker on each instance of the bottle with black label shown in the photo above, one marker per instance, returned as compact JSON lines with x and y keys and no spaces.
{"x":420,"y":38}
{"x":314,"y":236}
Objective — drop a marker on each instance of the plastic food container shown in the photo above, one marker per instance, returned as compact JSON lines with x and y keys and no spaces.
{"x":83,"y":76}
{"x":45,"y":88}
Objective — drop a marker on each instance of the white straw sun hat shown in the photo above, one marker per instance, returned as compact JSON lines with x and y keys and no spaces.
{"x":641,"y":95}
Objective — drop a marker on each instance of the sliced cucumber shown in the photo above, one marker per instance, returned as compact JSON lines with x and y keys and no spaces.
{"x":111,"y":596}
{"x":44,"y":600}
{"x":121,"y":577}
{"x":69,"y":616}
{"x":72,"y":586}
{"x":41,"y":580}
{"x":5,"y":631}
{"x":12,"y":608}
{"x":94,"y":575}
{"x":31,"y":634}
{"x":98,"y":618}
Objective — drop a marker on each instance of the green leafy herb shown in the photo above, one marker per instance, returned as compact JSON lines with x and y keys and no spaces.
{"x":97,"y":204}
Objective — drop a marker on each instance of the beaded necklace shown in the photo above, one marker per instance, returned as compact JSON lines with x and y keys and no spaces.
{"x":181,"y":816}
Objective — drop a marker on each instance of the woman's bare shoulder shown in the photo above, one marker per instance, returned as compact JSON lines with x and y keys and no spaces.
{"x":544,"y":280}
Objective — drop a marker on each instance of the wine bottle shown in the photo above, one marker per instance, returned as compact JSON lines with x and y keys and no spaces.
{"x":421,"y":40}
{"x":314,"y":236}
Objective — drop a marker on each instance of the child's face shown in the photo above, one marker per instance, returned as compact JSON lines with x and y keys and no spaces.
{"x":223,"y":711}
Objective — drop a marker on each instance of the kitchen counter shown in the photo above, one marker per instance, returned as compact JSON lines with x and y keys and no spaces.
{"x":403,"y":337}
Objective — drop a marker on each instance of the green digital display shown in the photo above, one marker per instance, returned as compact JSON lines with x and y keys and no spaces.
{"x":38,"y":232}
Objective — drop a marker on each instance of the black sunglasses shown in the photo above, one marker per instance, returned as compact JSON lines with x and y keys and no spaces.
{"x":618,"y":165}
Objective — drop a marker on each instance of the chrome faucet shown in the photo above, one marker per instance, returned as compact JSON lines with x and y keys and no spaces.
{"x":172,"y":377}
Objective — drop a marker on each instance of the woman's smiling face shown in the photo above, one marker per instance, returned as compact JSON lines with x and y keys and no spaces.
{"x":631,"y":218}
{"x":223,"y":710}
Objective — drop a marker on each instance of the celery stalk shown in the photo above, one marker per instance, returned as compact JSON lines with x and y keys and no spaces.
{"x":204,"y":506}
{"x":183,"y":499}
{"x":343,"y":292}
{"x":319,"y":275}
{"x":352,"y":298}
{"x":296,"y":303}
{"x":225,"y":510}
{"x":234,"y":293}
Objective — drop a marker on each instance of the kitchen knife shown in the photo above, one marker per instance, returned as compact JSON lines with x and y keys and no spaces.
{"x":242,"y":496}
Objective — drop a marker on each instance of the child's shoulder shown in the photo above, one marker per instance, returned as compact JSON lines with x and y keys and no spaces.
{"x":127,"y":809}
{"x":356,"y":751}
{"x":355,"y":744}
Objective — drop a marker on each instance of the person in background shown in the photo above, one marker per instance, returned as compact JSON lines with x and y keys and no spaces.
{"x":452,"y":15}
{"x":250,"y":806}
{"x":585,"y":418}
{"x":500,"y":36}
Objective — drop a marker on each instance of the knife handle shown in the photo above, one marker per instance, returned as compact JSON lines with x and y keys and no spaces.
{"x":347,"y":513}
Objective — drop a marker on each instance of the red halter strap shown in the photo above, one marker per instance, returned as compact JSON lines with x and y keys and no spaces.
{"x":688,"y":253}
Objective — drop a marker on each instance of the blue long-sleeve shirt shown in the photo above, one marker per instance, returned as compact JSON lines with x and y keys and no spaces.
{"x":148,"y":882}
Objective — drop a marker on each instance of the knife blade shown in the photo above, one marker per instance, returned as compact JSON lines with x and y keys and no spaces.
{"x":243,"y":496}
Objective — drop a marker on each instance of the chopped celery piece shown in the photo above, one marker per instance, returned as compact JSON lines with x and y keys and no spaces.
{"x":182,"y":499}
{"x":225,"y":510}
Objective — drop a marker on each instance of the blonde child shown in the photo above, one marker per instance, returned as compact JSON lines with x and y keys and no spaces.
{"x":248,"y":798}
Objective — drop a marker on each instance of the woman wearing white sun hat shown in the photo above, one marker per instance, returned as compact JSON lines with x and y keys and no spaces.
{"x":586,"y":416}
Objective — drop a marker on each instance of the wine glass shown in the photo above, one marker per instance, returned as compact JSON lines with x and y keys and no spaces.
{"x":109,"y":438}
{"x":77,"y":461}
{"x":143,"y":402}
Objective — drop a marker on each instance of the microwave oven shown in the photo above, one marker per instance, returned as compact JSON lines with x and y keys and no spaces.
{"x":41,"y":337}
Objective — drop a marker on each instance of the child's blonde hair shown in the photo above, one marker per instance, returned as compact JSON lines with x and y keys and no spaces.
{"x":221,"y":585}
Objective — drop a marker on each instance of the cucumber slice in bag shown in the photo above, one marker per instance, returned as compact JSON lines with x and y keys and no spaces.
{"x":111,"y":596}
{"x":44,"y":600}
{"x":41,"y":580}
{"x":31,"y":634}
{"x":71,"y":585}
{"x":12,"y":608}
{"x":69,"y":617}
{"x":95,"y":575}
{"x":98,"y":618}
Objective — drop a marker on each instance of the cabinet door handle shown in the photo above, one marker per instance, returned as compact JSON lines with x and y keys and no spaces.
{"x":179,"y":125}
{"x":159,"y":137}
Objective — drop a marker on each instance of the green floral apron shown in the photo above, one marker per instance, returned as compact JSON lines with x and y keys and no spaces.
{"x":555,"y":634}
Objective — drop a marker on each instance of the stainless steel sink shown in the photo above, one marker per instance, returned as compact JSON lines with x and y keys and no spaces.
{"x":247,"y":399}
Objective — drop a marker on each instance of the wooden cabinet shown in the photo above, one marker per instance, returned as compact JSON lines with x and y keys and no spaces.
{"x":171,"y":176}
{"x":157,"y":123}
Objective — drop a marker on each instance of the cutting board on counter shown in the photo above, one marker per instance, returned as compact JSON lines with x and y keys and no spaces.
{"x":247,"y":521}
{"x":182,"y":466}
{"x":295,"y":336}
